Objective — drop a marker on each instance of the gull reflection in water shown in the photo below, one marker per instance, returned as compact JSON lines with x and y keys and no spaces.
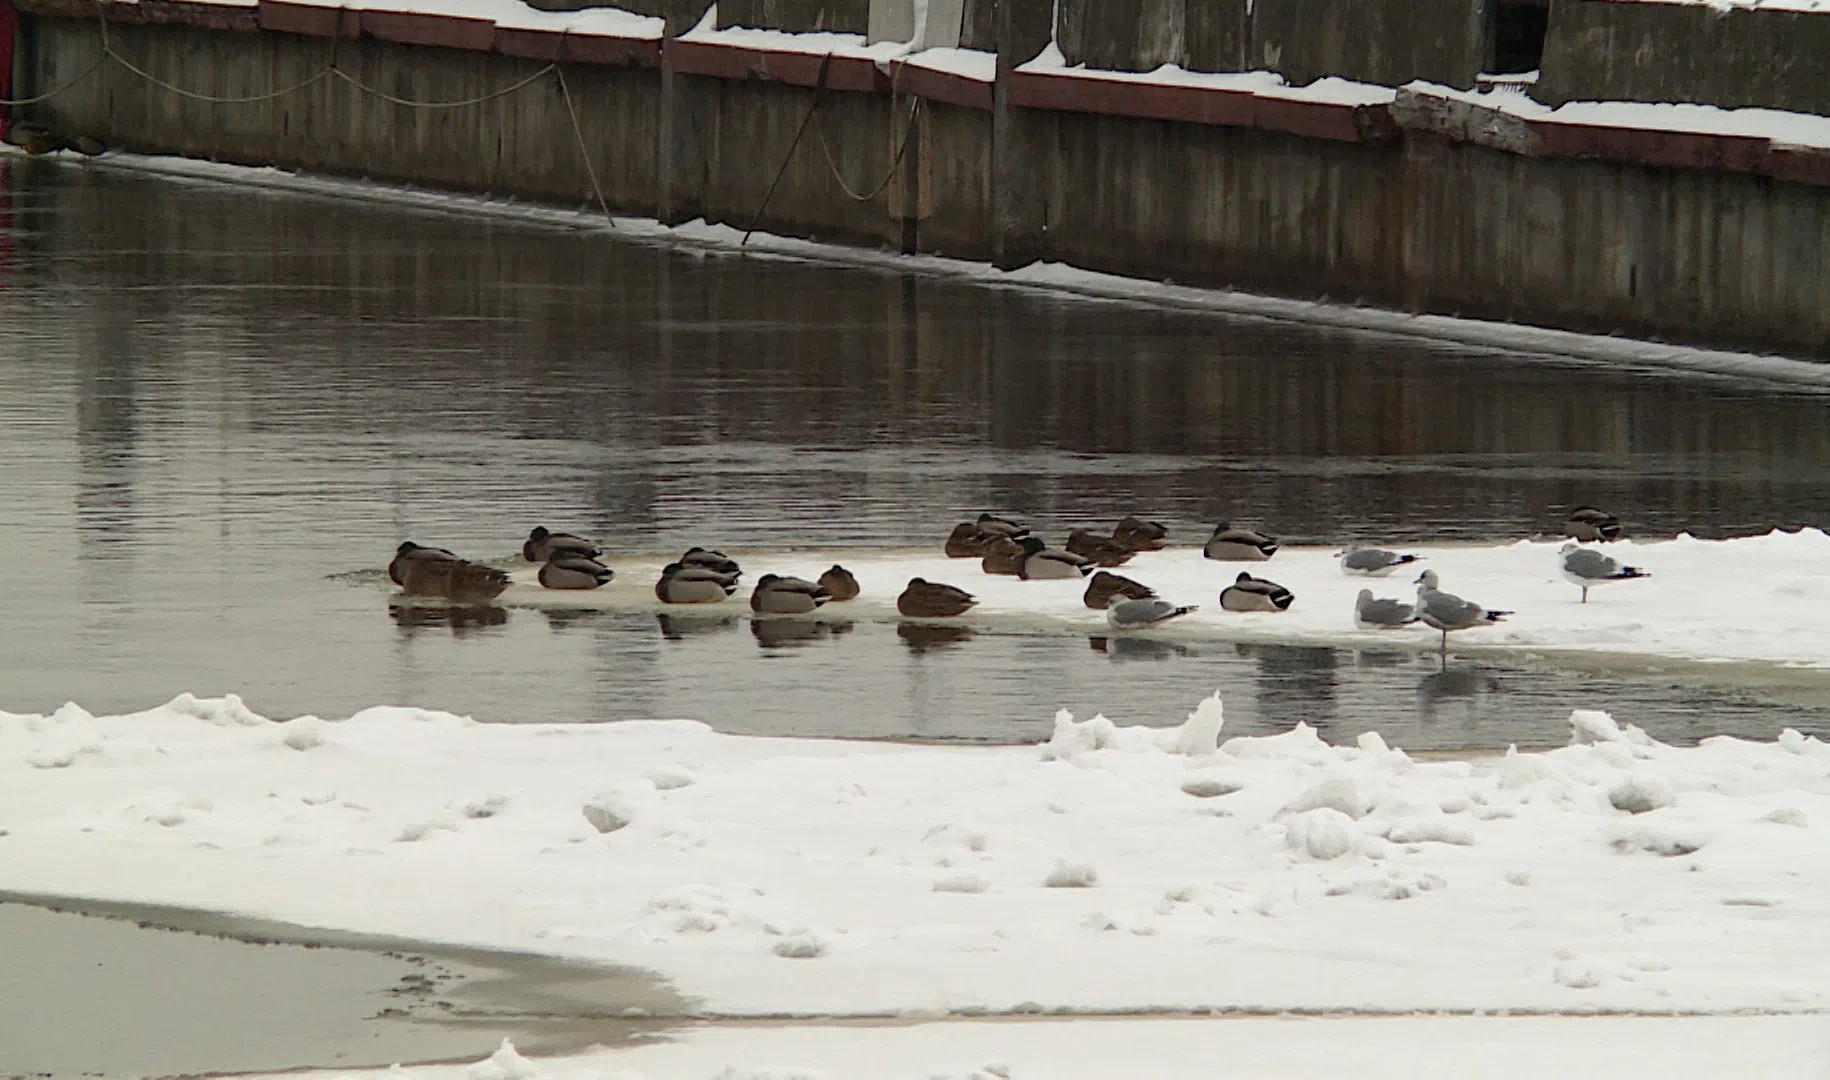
{"x":461,"y":621}
{"x":922,"y":637}
{"x":1124,"y":647}
{"x":1439,"y":688}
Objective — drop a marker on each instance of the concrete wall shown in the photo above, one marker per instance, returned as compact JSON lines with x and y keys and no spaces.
{"x":1378,"y":41}
{"x":518,"y":144}
{"x":1425,"y":222}
{"x":797,"y":16}
{"x":1686,"y":52}
{"x":1382,"y":41}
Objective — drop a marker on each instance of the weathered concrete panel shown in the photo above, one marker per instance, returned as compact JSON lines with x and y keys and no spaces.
{"x":797,"y":16}
{"x":1379,"y":41}
{"x":979,"y":27}
{"x":1686,"y":52}
{"x":1217,"y":33}
{"x":1143,"y":35}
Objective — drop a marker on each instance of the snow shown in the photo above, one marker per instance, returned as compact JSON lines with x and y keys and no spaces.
{"x":1285,"y":1048}
{"x":1331,"y":90}
{"x":817,"y":43}
{"x":820,"y":877}
{"x":1775,"y":609}
{"x":1783,"y":128}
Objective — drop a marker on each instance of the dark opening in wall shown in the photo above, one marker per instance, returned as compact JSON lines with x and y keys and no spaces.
{"x":1518,"y":36}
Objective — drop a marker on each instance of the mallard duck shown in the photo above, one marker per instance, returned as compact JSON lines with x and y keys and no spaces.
{"x":409,"y":551}
{"x":565,"y":570}
{"x":542,"y":544}
{"x":716,"y":561}
{"x":1106,"y":585}
{"x":1591,"y":568}
{"x":1372,"y":562}
{"x":775,"y":594}
{"x":1248,"y":593}
{"x":933,"y":600}
{"x":1003,"y":556}
{"x":839,"y":583}
{"x":1239,"y":545}
{"x":1587,"y":523}
{"x":680,"y":584}
{"x":1446,"y":611}
{"x":1379,"y":613}
{"x":1104,"y":551}
{"x":1139,"y":614}
{"x":1042,"y":563}
{"x":457,"y":580}
{"x":1140,"y":535}
{"x":997,"y":526}
{"x":967,"y":541}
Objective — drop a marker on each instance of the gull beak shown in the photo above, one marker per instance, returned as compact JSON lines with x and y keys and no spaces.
{"x":1418,"y":581}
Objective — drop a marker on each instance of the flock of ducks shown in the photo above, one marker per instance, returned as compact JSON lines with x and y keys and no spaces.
{"x":1005,"y":546}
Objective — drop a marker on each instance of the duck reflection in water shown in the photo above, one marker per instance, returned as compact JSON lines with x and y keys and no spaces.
{"x":795,"y":633}
{"x":570,"y":618}
{"x":676,"y":626}
{"x":922,"y":637}
{"x":1121,"y":647}
{"x":460,"y":620}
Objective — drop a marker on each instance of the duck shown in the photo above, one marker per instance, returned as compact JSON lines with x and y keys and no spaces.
{"x":1372,"y":562}
{"x":1248,"y":593}
{"x":967,"y":541}
{"x":1446,"y":611}
{"x":1591,"y":568}
{"x":566,"y":570}
{"x":457,"y":580}
{"x":408,"y":551}
{"x":1102,"y":550}
{"x":776,"y":594}
{"x":923,"y":599}
{"x":1140,"y":535}
{"x":682,"y":584}
{"x":716,"y":561}
{"x":1381,"y":613}
{"x":839,"y":583}
{"x":1239,"y":545}
{"x":997,"y":526}
{"x":1590,"y":524}
{"x":1106,"y":585}
{"x":541,"y":544}
{"x":1042,"y":563}
{"x":1003,"y":556}
{"x":1127,"y":614}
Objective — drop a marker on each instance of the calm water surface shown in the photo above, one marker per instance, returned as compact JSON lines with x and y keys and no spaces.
{"x":218,"y":407}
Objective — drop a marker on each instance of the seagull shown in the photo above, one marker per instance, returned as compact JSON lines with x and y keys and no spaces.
{"x":1372,"y":562}
{"x":1446,"y":611}
{"x":1589,"y":523}
{"x":1591,"y":568}
{"x":1124,"y":614}
{"x":1382,"y":613}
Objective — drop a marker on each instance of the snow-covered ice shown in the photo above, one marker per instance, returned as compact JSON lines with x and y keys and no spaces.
{"x":1759,"y":599}
{"x":1112,"y":868}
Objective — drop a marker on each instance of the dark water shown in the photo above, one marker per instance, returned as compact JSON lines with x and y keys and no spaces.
{"x":217,"y":404}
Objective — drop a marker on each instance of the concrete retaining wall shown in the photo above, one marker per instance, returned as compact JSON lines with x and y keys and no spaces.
{"x":1686,"y":52}
{"x":1381,"y":41}
{"x":1420,"y":206}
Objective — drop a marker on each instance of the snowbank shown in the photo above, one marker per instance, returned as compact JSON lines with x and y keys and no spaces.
{"x":1110,"y":869}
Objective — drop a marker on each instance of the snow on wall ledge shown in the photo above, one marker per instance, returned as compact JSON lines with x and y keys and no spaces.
{"x":1110,"y":869}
